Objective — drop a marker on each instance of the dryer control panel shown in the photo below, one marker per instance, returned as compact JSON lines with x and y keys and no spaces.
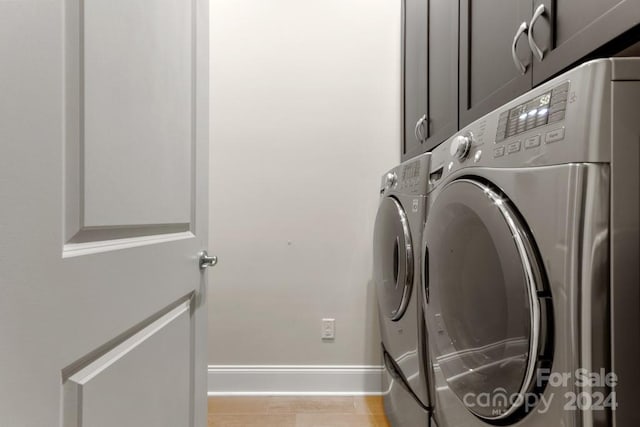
{"x":544,"y":109}
{"x":566,"y":120}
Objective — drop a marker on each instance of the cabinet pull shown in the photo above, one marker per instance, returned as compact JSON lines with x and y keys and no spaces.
{"x":532,"y":42}
{"x":418,"y":131}
{"x":519,"y":65}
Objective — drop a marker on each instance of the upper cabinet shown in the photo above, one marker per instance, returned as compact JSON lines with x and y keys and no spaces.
{"x":430,"y":82}
{"x":442,"y":76}
{"x":509,"y":46}
{"x":414,"y":82}
{"x":465,"y":58}
{"x":495,"y":60}
{"x":564,"y":31}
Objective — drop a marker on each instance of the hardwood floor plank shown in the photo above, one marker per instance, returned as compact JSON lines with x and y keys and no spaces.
{"x":297,"y":411}
{"x":251,"y":420}
{"x":369,"y":405}
{"x":381,"y":420}
{"x":335,"y":420}
{"x":306,"y":405}
{"x":238,"y":405}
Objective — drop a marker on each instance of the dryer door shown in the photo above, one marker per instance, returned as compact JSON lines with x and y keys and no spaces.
{"x":483,"y":298}
{"x":393,"y":258}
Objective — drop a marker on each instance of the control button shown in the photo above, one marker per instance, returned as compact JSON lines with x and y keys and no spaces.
{"x":532,"y":142}
{"x":559,"y":89}
{"x":541,"y":121}
{"x":556,"y":117}
{"x":514,"y":147}
{"x":498,"y":152}
{"x":560,"y":106}
{"x":559,"y":97}
{"x":554,"y":135}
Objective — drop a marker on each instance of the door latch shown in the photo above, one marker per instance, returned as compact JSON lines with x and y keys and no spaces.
{"x":207,"y":261}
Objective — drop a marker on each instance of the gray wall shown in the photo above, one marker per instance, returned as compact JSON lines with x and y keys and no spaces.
{"x":305,"y":119}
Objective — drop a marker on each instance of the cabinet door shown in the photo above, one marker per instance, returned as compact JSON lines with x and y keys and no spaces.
{"x":568,"y":30}
{"x":442,"y":74}
{"x":488,"y":73}
{"x":414,"y":70}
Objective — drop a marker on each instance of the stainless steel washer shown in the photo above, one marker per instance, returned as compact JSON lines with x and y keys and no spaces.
{"x":530,"y":258}
{"x":397,"y":237}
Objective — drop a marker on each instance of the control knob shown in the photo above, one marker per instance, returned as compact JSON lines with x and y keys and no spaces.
{"x":461,"y":145}
{"x":390,"y":180}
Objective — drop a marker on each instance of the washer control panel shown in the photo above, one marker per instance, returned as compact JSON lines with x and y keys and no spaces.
{"x":408,"y":178}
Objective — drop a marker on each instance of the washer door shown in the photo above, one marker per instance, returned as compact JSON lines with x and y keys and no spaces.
{"x":483,"y":311}
{"x":393,"y":258}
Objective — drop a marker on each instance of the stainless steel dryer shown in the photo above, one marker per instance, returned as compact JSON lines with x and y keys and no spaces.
{"x":531,"y":254}
{"x":397,"y":239}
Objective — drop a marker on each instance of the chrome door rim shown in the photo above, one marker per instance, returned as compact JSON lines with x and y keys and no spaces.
{"x":533,"y":277}
{"x":408,"y":280}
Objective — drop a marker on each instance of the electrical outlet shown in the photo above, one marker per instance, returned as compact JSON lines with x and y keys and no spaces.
{"x":328,"y":329}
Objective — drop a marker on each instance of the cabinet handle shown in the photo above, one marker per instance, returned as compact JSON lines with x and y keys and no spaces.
{"x":532,"y":43}
{"x":519,"y":65}
{"x":421,"y":129}
{"x":418,"y":131}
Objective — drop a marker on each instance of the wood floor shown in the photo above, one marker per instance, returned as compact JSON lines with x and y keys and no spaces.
{"x":350,"y":411}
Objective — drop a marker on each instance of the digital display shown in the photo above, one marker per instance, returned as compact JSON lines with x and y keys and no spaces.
{"x":536,"y":106}
{"x":530,"y":115}
{"x":412,"y":170}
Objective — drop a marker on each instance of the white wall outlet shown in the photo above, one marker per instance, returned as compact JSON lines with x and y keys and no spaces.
{"x":328,"y":329}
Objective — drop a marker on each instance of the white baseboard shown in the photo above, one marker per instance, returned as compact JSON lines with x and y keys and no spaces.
{"x":285,"y":380}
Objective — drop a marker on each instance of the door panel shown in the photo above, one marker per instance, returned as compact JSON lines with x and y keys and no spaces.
{"x":138,"y":380}
{"x":571,"y":29}
{"x":442,"y":71}
{"x":137,"y":92}
{"x":414,"y":87}
{"x":488,"y":75}
{"x":130,"y":101}
{"x":103,"y":172}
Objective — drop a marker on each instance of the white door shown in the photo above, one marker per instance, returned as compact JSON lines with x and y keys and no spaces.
{"x":103,"y":210}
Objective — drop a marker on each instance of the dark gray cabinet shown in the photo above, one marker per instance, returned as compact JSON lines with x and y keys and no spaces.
{"x":465,"y":58}
{"x":509,"y":46}
{"x":442,"y":76}
{"x":566,"y":31}
{"x":414,"y":72}
{"x":489,"y":75}
{"x":430,"y":83}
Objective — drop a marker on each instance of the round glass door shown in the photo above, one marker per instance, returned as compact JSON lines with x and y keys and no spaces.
{"x":392,"y":258}
{"x":482,"y":312}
